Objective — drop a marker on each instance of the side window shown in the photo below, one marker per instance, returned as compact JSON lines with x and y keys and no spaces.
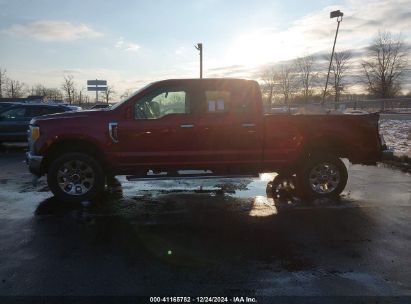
{"x":243,"y":101}
{"x":37,"y":111}
{"x":13,"y":114}
{"x":161,"y":103}
{"x":52,"y":110}
{"x":217,"y":101}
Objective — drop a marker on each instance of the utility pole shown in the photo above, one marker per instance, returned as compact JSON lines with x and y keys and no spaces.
{"x":339,"y":16}
{"x":199,"y":47}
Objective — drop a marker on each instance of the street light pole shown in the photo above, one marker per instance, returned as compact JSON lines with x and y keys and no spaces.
{"x":339,"y":16}
{"x":199,"y":47}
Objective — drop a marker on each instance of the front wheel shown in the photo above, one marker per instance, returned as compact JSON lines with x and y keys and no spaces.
{"x":322,"y":176}
{"x":75,"y":177}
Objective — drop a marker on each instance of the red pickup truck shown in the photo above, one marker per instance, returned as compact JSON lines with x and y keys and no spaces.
{"x":214,"y":125}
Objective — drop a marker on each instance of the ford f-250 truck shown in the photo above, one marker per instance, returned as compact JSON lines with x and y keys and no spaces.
{"x":214,"y":125}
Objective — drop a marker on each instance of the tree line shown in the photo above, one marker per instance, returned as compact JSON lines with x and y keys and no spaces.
{"x":381,"y":72}
{"x":68,"y":91}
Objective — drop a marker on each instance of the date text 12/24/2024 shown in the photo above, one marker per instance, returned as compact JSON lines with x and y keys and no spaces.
{"x":240,"y":299}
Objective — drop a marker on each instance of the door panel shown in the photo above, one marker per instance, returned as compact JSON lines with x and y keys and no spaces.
{"x":229,"y":127}
{"x":169,"y":140}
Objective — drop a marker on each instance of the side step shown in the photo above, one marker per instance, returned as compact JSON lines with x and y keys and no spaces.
{"x":203,"y":175}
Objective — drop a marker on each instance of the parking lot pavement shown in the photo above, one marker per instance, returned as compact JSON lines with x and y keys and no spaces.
{"x":203,"y":238}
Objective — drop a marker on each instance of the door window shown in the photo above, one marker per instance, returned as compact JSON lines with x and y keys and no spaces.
{"x":13,"y":114}
{"x":161,"y":103}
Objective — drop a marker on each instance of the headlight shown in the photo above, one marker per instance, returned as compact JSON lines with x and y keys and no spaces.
{"x":35,"y":133}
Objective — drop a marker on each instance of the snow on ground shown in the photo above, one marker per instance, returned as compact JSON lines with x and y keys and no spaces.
{"x":397,"y":134}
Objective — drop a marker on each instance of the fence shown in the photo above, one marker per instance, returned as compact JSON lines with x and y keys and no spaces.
{"x":399,"y":105}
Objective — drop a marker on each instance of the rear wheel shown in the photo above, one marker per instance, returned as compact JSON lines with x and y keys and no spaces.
{"x":323,"y":175}
{"x":75,"y":177}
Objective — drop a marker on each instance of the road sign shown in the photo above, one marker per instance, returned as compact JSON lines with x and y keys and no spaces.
{"x":96,"y":89}
{"x":96,"y":82}
{"x":97,"y":86}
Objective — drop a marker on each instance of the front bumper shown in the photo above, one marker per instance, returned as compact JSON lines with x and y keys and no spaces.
{"x":34,"y":162}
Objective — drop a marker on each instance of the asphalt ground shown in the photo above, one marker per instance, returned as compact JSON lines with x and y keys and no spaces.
{"x":206,"y":238}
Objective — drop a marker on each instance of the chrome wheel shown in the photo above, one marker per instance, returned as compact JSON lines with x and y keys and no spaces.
{"x":75,"y":177}
{"x":324,"y":178}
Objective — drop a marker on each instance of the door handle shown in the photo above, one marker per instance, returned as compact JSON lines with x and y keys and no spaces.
{"x":248,"y":125}
{"x":186,"y":126}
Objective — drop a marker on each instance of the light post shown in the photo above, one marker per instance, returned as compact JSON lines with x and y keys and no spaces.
{"x":339,"y":15}
{"x":199,"y":47}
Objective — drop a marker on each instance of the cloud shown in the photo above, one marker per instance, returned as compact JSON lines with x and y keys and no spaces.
{"x":181,"y":50}
{"x":126,"y":46}
{"x":53,"y":30}
{"x":315,"y":32}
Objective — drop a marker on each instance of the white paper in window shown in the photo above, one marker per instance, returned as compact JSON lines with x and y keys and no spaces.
{"x":211,"y":106}
{"x":220,"y":105}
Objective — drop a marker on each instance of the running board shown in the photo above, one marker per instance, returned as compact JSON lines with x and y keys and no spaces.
{"x":185,"y":176}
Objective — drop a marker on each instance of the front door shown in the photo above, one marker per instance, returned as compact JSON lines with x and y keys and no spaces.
{"x":162,"y":131}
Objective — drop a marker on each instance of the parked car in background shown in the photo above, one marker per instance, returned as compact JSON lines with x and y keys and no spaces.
{"x":101,"y":106}
{"x":14,"y":120}
{"x":5,"y":105}
{"x":74,"y":108}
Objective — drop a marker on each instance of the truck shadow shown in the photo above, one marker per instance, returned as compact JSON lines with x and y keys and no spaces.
{"x":198,"y":229}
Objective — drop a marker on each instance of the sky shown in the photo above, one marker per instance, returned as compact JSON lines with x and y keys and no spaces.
{"x":131,"y":43}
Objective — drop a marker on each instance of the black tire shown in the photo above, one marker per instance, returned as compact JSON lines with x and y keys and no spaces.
{"x":82,"y":174}
{"x":282,"y":187}
{"x":322,"y":176}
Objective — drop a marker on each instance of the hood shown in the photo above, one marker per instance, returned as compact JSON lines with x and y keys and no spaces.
{"x":87,"y":114}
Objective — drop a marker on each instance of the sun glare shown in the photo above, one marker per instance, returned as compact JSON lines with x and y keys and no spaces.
{"x":259,"y":47}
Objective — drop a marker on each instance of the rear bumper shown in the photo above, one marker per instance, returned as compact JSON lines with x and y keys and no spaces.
{"x":34,"y":163}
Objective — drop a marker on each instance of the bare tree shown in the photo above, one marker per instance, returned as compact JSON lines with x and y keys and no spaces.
{"x":306,"y":77}
{"x":126,"y":93}
{"x":15,"y":88}
{"x":108,"y":94}
{"x":384,"y":65}
{"x":286,"y":81}
{"x":69,"y":88}
{"x":339,"y":68}
{"x":38,"y":89}
{"x":270,"y":78}
{"x":54,"y":94}
{"x":79,"y":95}
{"x":3,"y":81}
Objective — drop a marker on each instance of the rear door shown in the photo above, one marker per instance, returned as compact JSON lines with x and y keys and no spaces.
{"x":229,"y":126}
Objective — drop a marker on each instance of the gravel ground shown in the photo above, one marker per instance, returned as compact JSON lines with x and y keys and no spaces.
{"x":397,"y":134}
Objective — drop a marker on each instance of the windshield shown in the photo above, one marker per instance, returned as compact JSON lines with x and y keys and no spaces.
{"x":115,"y":106}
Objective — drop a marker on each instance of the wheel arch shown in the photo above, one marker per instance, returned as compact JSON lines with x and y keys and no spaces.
{"x":326,"y":145}
{"x":74,"y":145}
